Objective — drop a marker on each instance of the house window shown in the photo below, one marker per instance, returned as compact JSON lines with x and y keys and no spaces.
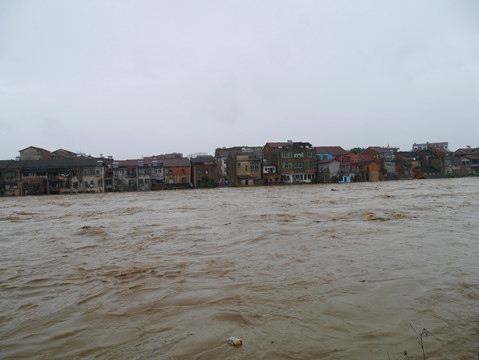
{"x":287,"y":165}
{"x":182,"y":171}
{"x":310,"y":165}
{"x":212,"y":171}
{"x":100,"y":183}
{"x":198,"y":172}
{"x":88,"y":171}
{"x":286,"y":155}
{"x":10,"y":175}
{"x":239,"y":164}
{"x":298,"y":165}
{"x":183,"y":180}
{"x":310,"y":154}
{"x":254,"y":165}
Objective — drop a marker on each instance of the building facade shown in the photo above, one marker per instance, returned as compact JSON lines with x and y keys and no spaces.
{"x":295,"y":161}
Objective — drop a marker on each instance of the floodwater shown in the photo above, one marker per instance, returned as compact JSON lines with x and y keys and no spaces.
{"x":297,"y":272}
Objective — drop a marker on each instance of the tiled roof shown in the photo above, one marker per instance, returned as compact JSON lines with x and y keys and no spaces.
{"x":53,"y":163}
{"x":365,"y":158}
{"x":326,"y":161}
{"x":203,"y":159}
{"x":427,"y":153}
{"x":62,"y":153}
{"x":34,"y":147}
{"x":333,"y":150}
{"x":276,"y":144}
{"x":130,"y":163}
{"x":407,"y":154}
{"x":224,"y":152}
{"x":380,"y":150}
{"x":136,"y":162}
{"x":464,"y":150}
{"x":176,"y":162}
{"x":4,"y":163}
{"x":58,"y":163}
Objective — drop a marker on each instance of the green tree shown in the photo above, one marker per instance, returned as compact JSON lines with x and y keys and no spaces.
{"x":357,"y":150}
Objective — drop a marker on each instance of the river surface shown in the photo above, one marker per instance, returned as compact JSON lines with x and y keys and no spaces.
{"x":297,"y":272}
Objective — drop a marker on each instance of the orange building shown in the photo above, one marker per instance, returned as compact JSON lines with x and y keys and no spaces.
{"x":177,"y":172}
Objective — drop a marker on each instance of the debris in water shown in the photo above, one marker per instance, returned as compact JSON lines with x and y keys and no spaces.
{"x":234,"y":341}
{"x":372,"y":216}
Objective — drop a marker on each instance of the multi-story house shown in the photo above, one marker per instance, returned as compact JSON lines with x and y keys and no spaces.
{"x":295,"y":161}
{"x":138,"y":175}
{"x":330,"y":152}
{"x":93,"y":177}
{"x":359,"y":167}
{"x":468,"y":160}
{"x":329,"y":163}
{"x":244,"y":169}
{"x":329,"y":170}
{"x":406,"y":161}
{"x":204,"y":171}
{"x":11,"y":177}
{"x":369,"y":169}
{"x":432,"y":163}
{"x":177,"y":170}
{"x":157,"y":172}
{"x":387,"y":159}
{"x":270,"y":174}
{"x":222,"y":154}
{"x":125,"y":175}
{"x":3,"y":167}
{"x":53,"y":176}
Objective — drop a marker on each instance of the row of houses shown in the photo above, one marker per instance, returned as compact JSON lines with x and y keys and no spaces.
{"x":39,"y":171}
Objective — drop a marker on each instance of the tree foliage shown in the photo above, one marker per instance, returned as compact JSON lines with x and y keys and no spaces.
{"x":357,"y":150}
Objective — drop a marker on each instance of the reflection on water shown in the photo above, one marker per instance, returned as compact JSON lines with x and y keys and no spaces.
{"x":299,"y":272}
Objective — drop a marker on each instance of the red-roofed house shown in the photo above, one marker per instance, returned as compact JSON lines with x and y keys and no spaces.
{"x":330,"y":152}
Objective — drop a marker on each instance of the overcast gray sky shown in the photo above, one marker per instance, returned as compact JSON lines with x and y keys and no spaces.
{"x":133,"y":78}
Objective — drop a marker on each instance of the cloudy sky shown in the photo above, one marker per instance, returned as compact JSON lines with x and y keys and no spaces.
{"x":133,"y":78}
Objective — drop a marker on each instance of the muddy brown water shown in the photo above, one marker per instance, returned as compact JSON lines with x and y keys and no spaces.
{"x":296,"y":272}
